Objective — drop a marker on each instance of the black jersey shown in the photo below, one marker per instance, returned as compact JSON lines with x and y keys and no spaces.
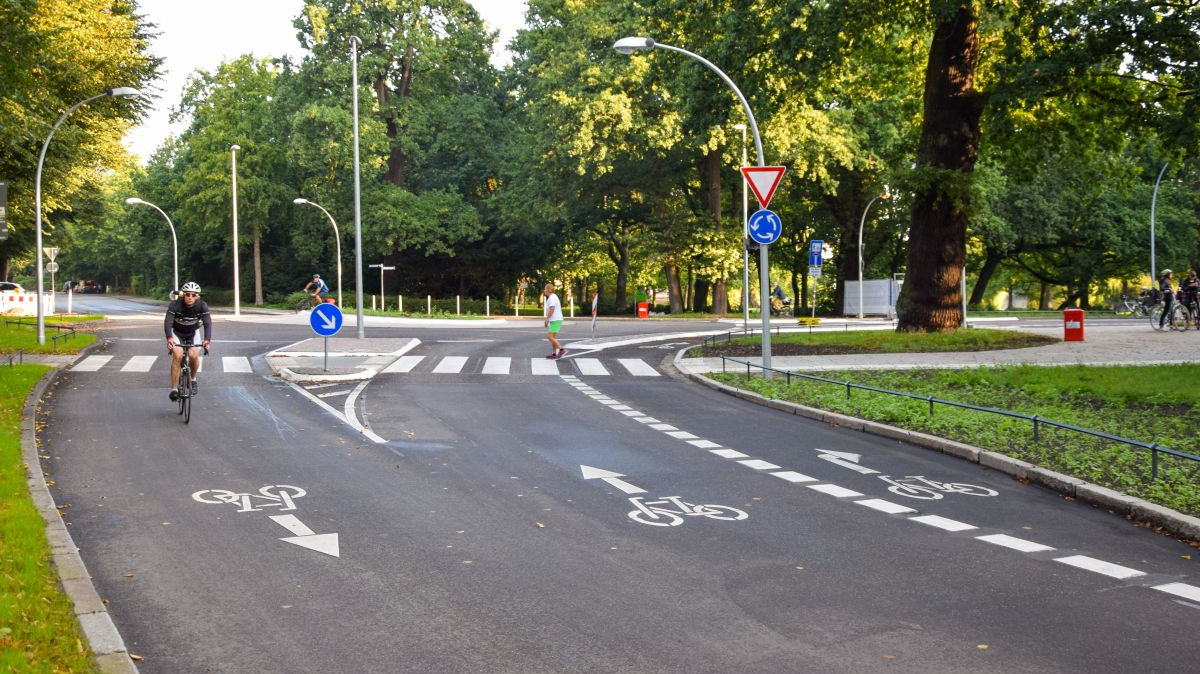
{"x":183,"y":320}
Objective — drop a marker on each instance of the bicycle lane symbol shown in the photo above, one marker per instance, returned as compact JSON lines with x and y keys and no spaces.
{"x":283,"y":497}
{"x":667,"y":511}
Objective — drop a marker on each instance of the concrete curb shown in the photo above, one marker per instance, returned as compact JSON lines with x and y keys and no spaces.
{"x":289,"y":375}
{"x":1130,"y":507}
{"x":98,"y":628}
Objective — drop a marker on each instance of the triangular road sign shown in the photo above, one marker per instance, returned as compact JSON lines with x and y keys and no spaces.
{"x":763,"y":180}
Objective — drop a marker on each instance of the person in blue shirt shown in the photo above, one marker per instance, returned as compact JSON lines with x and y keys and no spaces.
{"x":317,"y":289}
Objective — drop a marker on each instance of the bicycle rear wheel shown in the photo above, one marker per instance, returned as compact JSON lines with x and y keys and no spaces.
{"x":1179,"y":317}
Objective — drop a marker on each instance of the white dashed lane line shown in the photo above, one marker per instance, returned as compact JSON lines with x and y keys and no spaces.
{"x":1097,"y":566}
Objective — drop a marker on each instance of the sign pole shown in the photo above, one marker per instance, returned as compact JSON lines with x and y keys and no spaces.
{"x":327,"y":354}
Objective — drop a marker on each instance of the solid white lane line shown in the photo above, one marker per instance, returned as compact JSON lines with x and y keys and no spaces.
{"x":403,"y":364}
{"x":638,"y":368}
{"x":728,"y":453}
{"x":91,"y":363}
{"x":883,"y":506}
{"x":793,"y":476}
{"x":1101,"y":567}
{"x":543,"y":366}
{"x":943,"y":523}
{"x":757,"y":464}
{"x":1019,"y":544}
{"x":497,"y":365}
{"x":1180,"y":590}
{"x":681,"y":435}
{"x":139,"y":364}
{"x":235,"y":364}
{"x":704,"y":444}
{"x":450,"y":365}
{"x":334,"y":394}
{"x":833,"y":490}
{"x":313,"y":387}
{"x":590,"y":366}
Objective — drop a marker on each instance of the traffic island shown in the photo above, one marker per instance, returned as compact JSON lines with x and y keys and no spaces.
{"x":337,"y":359}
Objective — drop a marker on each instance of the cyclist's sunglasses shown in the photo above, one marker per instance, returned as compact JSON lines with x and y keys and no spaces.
{"x":191,"y":294}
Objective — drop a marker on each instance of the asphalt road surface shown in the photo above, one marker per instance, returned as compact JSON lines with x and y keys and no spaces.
{"x":609,"y":517}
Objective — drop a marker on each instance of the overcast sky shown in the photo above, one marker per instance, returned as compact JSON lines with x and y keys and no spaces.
{"x":196,"y":35}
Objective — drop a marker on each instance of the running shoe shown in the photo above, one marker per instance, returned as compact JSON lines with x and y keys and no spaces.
{"x":562,"y":352}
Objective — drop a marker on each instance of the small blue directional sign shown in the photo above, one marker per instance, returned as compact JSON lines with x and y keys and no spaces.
{"x":326,"y":320}
{"x":765,"y":227}
{"x":814,"y":252}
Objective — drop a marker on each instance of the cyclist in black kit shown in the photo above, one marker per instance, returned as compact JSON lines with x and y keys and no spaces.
{"x":184,"y":317}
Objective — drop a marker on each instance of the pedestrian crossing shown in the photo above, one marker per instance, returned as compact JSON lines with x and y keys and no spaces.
{"x":504,"y":365}
{"x":228,"y":364}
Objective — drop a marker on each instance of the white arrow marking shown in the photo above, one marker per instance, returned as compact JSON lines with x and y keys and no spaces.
{"x":305,"y":538}
{"x":611,"y":478}
{"x":330,"y":321}
{"x":845,"y":460}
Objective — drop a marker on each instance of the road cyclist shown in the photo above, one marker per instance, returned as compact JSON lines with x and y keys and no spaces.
{"x":1189,"y":298}
{"x":185,"y":315}
{"x":317,"y":290}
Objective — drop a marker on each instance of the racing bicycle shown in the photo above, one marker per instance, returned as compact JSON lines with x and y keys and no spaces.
{"x":186,"y":388}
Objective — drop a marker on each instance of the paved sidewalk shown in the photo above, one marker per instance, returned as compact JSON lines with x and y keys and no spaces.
{"x":1104,"y":345}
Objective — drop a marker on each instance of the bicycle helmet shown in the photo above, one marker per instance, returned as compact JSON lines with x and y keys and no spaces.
{"x":191,"y":287}
{"x":316,"y":276}
{"x":1166,"y":271}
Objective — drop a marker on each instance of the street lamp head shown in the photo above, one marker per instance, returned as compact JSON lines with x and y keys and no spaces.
{"x":134,"y":200}
{"x":235,"y":148}
{"x":124,"y":92}
{"x":628,"y":45}
{"x":299,"y":200}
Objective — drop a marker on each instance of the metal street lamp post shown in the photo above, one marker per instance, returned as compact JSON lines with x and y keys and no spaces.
{"x":237,"y":278}
{"x":118,"y":92}
{"x":745,"y":236}
{"x":629,"y":45}
{"x":1153,"y":206}
{"x":336,"y":236}
{"x":860,"y":252}
{"x":355,"y":44}
{"x":174,"y":240}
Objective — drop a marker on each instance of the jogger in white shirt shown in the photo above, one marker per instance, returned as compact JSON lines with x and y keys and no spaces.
{"x":554,"y":320}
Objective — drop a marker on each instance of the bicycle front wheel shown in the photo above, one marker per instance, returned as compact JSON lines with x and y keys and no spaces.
{"x":1179,"y":317}
{"x":185,"y":405}
{"x":1156,"y":318}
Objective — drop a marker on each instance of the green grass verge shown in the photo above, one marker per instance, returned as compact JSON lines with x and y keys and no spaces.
{"x":878,"y":341}
{"x":38,"y":630}
{"x":1148,"y":403}
{"x":15,"y":336}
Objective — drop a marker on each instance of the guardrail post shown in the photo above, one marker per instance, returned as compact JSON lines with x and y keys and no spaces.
{"x":1035,"y":427}
{"x":930,"y":407}
{"x":1153,"y":461}
{"x":789,"y":378}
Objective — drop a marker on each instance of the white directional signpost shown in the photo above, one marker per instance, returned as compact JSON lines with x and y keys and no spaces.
{"x":326,"y":320}
{"x":51,"y":267}
{"x":815,"y":260}
{"x":764,"y":227}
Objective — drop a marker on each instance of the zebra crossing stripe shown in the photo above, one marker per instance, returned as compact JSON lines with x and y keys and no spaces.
{"x":590,"y":366}
{"x":91,"y":363}
{"x":139,"y":364}
{"x":403,"y":364}
{"x":543,"y":366}
{"x":637,"y":367}
{"x":497,"y":365}
{"x":235,"y":364}
{"x":450,"y":365}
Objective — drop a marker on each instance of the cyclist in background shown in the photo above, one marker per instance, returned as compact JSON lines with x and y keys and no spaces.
{"x":1167,"y":292}
{"x":1190,"y":286}
{"x":185,"y":315}
{"x":316,"y":289}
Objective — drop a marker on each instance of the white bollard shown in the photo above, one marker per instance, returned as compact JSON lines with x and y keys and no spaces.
{"x":372,"y":303}
{"x":487,"y":299}
{"x":429,"y":304}
{"x":457,"y":305}
{"x":402,"y":304}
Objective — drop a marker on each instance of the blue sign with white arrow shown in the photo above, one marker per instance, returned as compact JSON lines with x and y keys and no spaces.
{"x":326,"y":320}
{"x":765,"y":227}
{"x":814,"y":252}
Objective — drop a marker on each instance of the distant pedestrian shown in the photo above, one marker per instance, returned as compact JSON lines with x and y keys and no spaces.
{"x":1168,"y":296}
{"x":552,"y":312}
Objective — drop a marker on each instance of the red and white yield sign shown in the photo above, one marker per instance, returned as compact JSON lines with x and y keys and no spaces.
{"x":763,"y":180}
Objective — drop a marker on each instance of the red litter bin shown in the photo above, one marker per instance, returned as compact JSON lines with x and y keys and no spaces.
{"x":1072,"y":325}
{"x":643,"y":309}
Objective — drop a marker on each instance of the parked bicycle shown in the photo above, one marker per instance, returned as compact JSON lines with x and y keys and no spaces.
{"x":669,"y":511}
{"x":1138,"y":307}
{"x":919,"y":486}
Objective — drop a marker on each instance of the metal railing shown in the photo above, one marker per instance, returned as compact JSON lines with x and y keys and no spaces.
{"x":19,"y":356}
{"x":64,"y":331}
{"x":728,"y":337}
{"x":1037,"y":420}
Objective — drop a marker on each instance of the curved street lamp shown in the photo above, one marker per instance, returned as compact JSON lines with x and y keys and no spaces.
{"x":1153,"y":205}
{"x":338,"y":237}
{"x":237,"y":278}
{"x":118,"y":92}
{"x":745,"y":235}
{"x":355,"y":45}
{"x":629,"y":45}
{"x":174,"y":240}
{"x":883,"y":196}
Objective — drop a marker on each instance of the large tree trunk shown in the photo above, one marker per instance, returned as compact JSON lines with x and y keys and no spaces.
{"x":990,"y":263}
{"x":712,"y":174}
{"x":257,"y":239}
{"x":930,"y":300}
{"x":674,"y":288}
